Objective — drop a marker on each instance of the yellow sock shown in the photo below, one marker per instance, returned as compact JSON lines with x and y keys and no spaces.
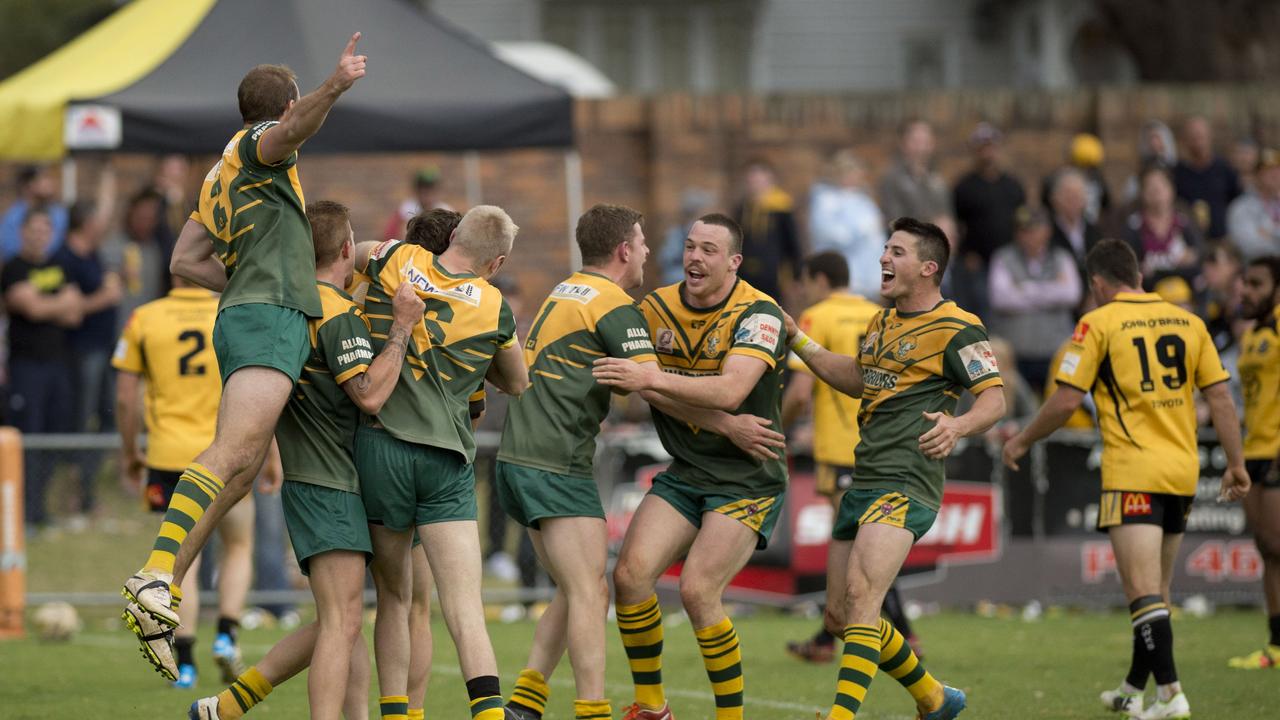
{"x":857,"y":668}
{"x":592,"y":710}
{"x":641,"y":627}
{"x":531,"y":691}
{"x":394,"y":707}
{"x":248,"y":690}
{"x":722,"y":657}
{"x":900,"y":662}
{"x":196,"y":489}
{"x":417,"y":714}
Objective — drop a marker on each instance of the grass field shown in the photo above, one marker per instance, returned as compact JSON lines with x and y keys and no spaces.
{"x":1052,"y":668}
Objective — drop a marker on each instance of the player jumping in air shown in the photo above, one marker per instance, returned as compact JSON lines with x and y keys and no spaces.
{"x":1143,"y":359}
{"x":248,"y":239}
{"x":915,"y":359}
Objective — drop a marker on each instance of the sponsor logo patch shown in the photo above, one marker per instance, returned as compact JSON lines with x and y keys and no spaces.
{"x":1134,"y":504}
{"x":576,"y":292}
{"x":760,"y":329}
{"x":1070,"y":361}
{"x":1081,"y":330}
{"x":978,"y":360}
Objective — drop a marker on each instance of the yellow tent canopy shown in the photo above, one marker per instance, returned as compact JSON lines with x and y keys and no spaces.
{"x":109,"y":57}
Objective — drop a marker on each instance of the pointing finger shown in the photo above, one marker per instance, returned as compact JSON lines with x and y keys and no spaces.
{"x":350,"y":49}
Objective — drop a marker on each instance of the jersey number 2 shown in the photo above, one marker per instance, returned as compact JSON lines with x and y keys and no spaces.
{"x":185,"y":366}
{"x":1171,"y":352}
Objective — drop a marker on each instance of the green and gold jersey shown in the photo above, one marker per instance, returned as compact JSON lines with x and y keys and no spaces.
{"x":256,"y":215}
{"x":317,"y":429}
{"x":1143,"y":358}
{"x":696,"y":341}
{"x":1260,"y":375}
{"x":553,"y":425}
{"x":837,"y":324}
{"x":465,"y":322}
{"x":913,"y":363}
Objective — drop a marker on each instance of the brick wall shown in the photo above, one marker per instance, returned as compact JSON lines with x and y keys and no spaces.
{"x":644,"y":152}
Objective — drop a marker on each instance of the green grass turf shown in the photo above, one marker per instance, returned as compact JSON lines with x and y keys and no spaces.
{"x":1053,"y":668}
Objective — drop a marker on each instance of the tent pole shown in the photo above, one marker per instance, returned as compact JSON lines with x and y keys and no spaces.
{"x":573,"y":195}
{"x":471,"y":175}
{"x":68,"y":181}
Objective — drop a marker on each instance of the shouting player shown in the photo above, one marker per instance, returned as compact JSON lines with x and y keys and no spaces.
{"x":915,"y":360}
{"x":719,"y":345}
{"x":1260,"y":375}
{"x":249,"y":239}
{"x":165,"y":348}
{"x":415,"y":457}
{"x":321,"y":494}
{"x":1143,"y":359}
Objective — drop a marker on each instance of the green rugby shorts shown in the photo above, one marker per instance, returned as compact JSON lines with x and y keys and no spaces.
{"x":758,"y":513}
{"x":529,"y":495}
{"x":405,"y":484}
{"x":322,"y":519}
{"x":261,"y":335}
{"x":861,"y":507}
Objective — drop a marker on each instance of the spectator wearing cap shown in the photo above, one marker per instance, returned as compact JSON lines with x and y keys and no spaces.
{"x":1204,"y":180}
{"x":985,"y":200}
{"x":426,"y":196}
{"x":844,"y":219}
{"x":1034,"y":289}
{"x":1084,"y":155}
{"x":1253,"y":219}
{"x":37,"y":188}
{"x":1166,"y":241}
{"x":912,"y":187}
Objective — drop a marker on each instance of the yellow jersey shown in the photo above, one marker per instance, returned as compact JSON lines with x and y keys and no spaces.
{"x":1259,"y":368}
{"x":169,"y":343}
{"x":1143,"y":358}
{"x":1080,"y":419}
{"x":838,"y":323}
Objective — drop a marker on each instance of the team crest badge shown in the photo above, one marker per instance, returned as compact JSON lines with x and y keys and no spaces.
{"x":886,"y":509}
{"x":1081,"y":331}
{"x":713,"y":346}
{"x":752,"y":509}
{"x":905,"y":346}
{"x":665,"y":340}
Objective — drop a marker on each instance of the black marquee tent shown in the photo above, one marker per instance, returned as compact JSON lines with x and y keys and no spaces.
{"x":429,"y":86}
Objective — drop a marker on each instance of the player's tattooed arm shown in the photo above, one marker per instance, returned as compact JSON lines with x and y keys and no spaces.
{"x":1055,"y":412}
{"x":370,"y":389}
{"x":193,"y":258}
{"x":841,"y":372}
{"x":1222,"y":410}
{"x":304,"y":118}
{"x":941,"y":439}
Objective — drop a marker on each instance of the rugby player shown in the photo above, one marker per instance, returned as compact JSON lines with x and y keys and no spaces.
{"x":415,"y":456}
{"x":836,"y":318}
{"x":1260,"y":374}
{"x":915,"y":359}
{"x":321,"y":492}
{"x":165,"y":349}
{"x":1143,"y":359}
{"x":248,"y":239}
{"x":544,"y":470}
{"x":719,"y":345}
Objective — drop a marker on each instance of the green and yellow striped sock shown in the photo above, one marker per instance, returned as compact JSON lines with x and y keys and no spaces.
{"x":486,"y":698}
{"x":417,"y":714}
{"x":393,"y":707}
{"x":592,"y":710}
{"x":857,"y":669}
{"x":722,"y":657}
{"x":531,"y":692}
{"x":641,"y":627}
{"x":196,"y":489}
{"x":900,"y":662}
{"x":248,"y":690}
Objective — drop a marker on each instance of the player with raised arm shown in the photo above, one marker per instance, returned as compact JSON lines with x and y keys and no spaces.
{"x":915,"y":359}
{"x":1260,"y":375}
{"x":415,"y":456}
{"x":544,"y":472}
{"x":248,"y":239}
{"x":720,"y":346}
{"x":321,"y":492}
{"x":165,"y":352}
{"x":1143,"y":359}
